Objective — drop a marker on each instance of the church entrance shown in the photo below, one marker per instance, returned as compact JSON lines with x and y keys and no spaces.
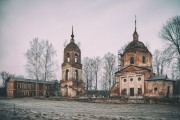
{"x":131,"y":91}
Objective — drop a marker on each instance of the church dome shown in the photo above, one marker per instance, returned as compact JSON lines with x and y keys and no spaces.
{"x":72,"y":46}
{"x":136,"y":44}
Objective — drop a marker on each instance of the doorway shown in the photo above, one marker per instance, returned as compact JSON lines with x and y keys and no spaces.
{"x":131,"y":91}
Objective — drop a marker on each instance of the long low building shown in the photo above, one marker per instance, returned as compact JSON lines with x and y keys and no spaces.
{"x":21,"y":87}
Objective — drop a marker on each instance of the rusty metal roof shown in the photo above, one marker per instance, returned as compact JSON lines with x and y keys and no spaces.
{"x":136,"y":44}
{"x":29,"y":80}
{"x":72,"y":46}
{"x":159,"y":77}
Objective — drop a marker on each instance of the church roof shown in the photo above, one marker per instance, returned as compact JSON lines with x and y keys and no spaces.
{"x":72,"y":45}
{"x":135,"y":44}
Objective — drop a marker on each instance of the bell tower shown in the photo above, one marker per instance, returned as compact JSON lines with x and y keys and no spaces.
{"x":71,"y":82}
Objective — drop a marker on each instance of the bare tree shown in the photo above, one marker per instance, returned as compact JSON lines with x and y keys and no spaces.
{"x":48,"y":64}
{"x":33,"y":55}
{"x":160,"y":61}
{"x":109,"y":68}
{"x":170,"y":34}
{"x":5,"y":75}
{"x":174,"y":69}
{"x":104,"y":80}
{"x":86,"y":72}
{"x":96,"y":64}
{"x":91,"y":78}
{"x":40,"y":62}
{"x":120,"y":53}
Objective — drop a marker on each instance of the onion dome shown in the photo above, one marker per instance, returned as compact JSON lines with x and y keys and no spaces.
{"x":135,"y":44}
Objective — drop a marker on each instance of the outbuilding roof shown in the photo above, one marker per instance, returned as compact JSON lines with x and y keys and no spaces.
{"x":159,"y":77}
{"x":28,"y":80}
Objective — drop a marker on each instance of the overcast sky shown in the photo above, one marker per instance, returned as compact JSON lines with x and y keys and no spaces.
{"x":100,"y":26}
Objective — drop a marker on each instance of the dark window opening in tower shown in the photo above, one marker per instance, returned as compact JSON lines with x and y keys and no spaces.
{"x":76,"y":57}
{"x":68,"y":57}
{"x":76,"y":74}
{"x":143,"y":59}
{"x":122,"y":64}
{"x":132,"y":60}
{"x":67,"y":74}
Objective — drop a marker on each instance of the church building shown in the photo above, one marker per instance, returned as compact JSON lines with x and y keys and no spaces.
{"x":136,"y":77}
{"x":71,"y":84}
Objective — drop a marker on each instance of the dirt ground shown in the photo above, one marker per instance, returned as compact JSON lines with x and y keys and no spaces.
{"x":34,"y":109}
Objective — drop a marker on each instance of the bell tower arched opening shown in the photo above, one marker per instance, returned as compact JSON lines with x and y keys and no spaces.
{"x":67,"y":75}
{"x":68,"y":57}
{"x":76,"y":57}
{"x":76,"y":75}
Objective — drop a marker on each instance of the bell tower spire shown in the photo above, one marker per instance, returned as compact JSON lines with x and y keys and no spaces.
{"x":72,"y":35}
{"x":135,"y":34}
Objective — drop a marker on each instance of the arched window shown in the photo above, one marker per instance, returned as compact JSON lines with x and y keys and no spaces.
{"x":143,"y":59}
{"x":76,"y":57}
{"x":67,"y":74}
{"x":132,"y":60}
{"x":68,"y":57}
{"x":76,"y":74}
{"x":122,"y":62}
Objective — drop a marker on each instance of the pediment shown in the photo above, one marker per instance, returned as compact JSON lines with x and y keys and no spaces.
{"x":132,"y":68}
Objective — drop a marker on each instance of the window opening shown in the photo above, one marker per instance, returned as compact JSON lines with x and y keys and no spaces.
{"x":76,"y":57}
{"x":67,"y":72}
{"x":76,"y":74}
{"x":132,"y":60}
{"x":143,"y":59}
{"x":139,"y":91}
{"x":68,"y":57}
{"x":155,"y":89}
